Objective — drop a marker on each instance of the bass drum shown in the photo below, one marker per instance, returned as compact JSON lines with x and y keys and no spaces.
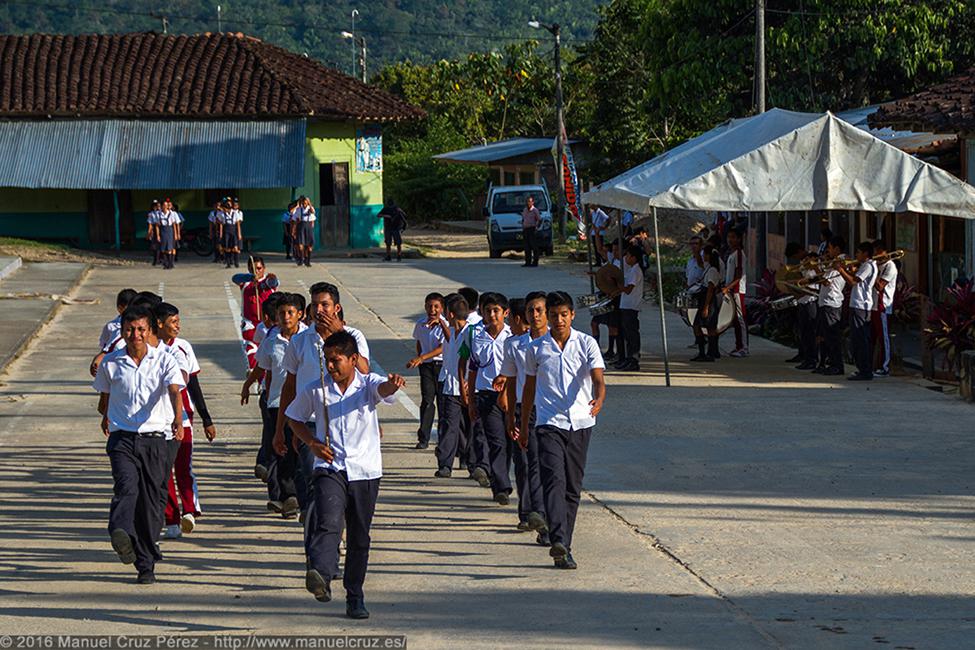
{"x":687,"y":308}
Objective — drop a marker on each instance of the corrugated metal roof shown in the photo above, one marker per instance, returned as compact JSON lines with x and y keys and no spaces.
{"x":152,"y":154}
{"x":909,"y":141}
{"x":495,"y":151}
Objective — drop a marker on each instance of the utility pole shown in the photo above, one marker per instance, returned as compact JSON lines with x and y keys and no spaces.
{"x":556,"y":31}
{"x":759,"y":56}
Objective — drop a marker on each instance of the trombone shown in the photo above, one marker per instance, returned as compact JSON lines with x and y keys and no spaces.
{"x":851,"y":265}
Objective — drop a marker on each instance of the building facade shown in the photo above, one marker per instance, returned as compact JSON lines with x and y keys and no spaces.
{"x":94,"y":127}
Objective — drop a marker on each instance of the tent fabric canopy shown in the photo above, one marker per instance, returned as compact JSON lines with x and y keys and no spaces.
{"x":784,"y":161}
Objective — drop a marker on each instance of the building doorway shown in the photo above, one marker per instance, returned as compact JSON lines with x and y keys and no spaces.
{"x":333,"y":209}
{"x":101,"y":218}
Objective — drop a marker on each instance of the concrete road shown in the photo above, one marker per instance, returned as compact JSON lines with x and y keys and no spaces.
{"x":746,"y":506}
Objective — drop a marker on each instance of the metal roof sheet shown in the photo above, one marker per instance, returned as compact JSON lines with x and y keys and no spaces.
{"x":152,"y":154}
{"x":495,"y":151}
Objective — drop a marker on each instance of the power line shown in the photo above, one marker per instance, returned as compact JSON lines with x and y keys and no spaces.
{"x":157,"y":15}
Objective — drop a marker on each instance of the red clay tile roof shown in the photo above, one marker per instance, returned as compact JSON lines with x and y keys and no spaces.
{"x":200,"y":76}
{"x":946,"y":108}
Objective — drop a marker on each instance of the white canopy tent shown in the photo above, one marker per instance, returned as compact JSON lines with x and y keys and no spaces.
{"x":783,"y":161}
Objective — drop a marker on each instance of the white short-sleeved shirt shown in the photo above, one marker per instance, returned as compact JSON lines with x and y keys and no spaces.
{"x":711,"y":276}
{"x":805,"y":298}
{"x":487,"y":353}
{"x":260,"y":333}
{"x":694,"y":273}
{"x":285,"y":217}
{"x":303,"y":356}
{"x":886,"y":271}
{"x":474,"y":319}
{"x":214,"y":216}
{"x":179,"y":217}
{"x":451,"y":357}
{"x":514,"y":361}
{"x":270,"y":357}
{"x":167,"y":218}
{"x":563,"y":384}
{"x":152,"y":217}
{"x":307,"y":214}
{"x":111,"y":331}
{"x":429,"y":338}
{"x":632,"y":275}
{"x":831,"y":289}
{"x":353,"y":423}
{"x":861,"y":295}
{"x":736,"y":260}
{"x":139,"y":393}
{"x":238,"y":215}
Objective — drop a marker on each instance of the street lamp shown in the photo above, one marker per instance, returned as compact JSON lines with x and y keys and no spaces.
{"x":556,"y":31}
{"x":355,"y":13}
{"x":361,"y":42}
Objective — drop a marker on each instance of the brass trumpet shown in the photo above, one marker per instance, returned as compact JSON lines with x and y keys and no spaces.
{"x":851,"y":265}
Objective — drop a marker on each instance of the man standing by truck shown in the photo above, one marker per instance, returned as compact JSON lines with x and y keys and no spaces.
{"x":530,"y":219}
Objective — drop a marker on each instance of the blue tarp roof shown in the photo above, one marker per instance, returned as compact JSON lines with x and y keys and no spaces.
{"x":501,"y":150}
{"x":152,"y":154}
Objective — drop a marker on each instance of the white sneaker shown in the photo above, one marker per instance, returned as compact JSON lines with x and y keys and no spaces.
{"x":739,"y":353}
{"x":172,"y":532}
{"x":187,"y":523}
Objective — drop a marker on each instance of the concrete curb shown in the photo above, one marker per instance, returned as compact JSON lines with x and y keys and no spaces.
{"x":10,"y":267}
{"x":41,"y":324}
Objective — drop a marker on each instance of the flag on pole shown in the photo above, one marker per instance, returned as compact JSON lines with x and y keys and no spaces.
{"x":571,"y":188}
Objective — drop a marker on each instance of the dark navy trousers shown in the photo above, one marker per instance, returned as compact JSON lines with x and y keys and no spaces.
{"x":337,"y":502}
{"x":140,"y":469}
{"x":528,"y":480}
{"x":499,"y":449}
{"x":562,"y":464}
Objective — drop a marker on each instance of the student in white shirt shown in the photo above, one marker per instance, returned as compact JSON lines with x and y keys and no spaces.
{"x":141,"y":410}
{"x":631,"y":295}
{"x":829,"y":309}
{"x":214,"y":220}
{"x":230,"y":234}
{"x":305,"y":231}
{"x":428,"y":333}
{"x":112,"y":330}
{"x":486,"y":355}
{"x":883,"y":306}
{"x":303,"y":360}
{"x":347,"y":467}
{"x":452,"y":426}
{"x":861,"y":304}
{"x":564,"y":384}
{"x":166,"y":222}
{"x":183,"y":488}
{"x":528,"y":322}
{"x":285,"y":495}
{"x":708,"y":307}
{"x":736,"y":286}
{"x":152,"y":231}
{"x":696,"y":264}
{"x":473,"y":445}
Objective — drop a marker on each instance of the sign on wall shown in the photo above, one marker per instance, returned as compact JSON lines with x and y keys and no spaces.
{"x":369,"y":149}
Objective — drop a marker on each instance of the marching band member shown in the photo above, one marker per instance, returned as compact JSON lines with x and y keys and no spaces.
{"x":806,"y":316}
{"x":883,"y":306}
{"x":736,"y":286}
{"x":829,"y":308}
{"x":861,"y":304}
{"x":253,"y":292}
{"x":631,"y":295}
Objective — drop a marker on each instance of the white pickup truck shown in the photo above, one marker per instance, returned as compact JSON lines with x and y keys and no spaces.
{"x":503,"y":215}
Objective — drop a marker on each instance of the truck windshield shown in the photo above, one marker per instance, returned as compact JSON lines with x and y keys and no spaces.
{"x":514,"y":202}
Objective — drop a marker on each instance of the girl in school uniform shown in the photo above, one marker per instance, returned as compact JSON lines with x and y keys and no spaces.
{"x":230,"y":235}
{"x":152,"y":234}
{"x":305,"y":230}
{"x":708,"y":306}
{"x":166,"y":234}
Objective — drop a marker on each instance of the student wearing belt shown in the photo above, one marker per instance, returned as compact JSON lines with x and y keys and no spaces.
{"x":428,"y":332}
{"x":861,"y":304}
{"x":141,"y":411}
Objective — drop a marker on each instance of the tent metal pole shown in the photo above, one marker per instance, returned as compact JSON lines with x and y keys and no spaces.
{"x":660,"y":297}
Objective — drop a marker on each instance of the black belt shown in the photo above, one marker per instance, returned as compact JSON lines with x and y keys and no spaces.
{"x":142,"y":434}
{"x":486,"y":392}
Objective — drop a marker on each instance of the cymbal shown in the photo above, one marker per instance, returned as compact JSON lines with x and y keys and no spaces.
{"x":609,"y":278}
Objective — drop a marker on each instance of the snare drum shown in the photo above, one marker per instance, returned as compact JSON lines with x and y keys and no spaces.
{"x":604,"y":306}
{"x":587,"y":300}
{"x":784,"y":302}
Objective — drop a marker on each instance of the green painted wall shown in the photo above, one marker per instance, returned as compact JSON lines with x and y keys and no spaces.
{"x":63,"y":214}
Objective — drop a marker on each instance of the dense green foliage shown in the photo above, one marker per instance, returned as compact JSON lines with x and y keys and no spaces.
{"x":395,"y":30}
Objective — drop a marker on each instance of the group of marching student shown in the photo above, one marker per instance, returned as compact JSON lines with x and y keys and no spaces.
{"x":164,"y":231}
{"x":147,"y":379}
{"x":514,"y":384}
{"x":225,"y":224}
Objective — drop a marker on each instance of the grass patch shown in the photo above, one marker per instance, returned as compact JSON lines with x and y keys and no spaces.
{"x":32,"y":244}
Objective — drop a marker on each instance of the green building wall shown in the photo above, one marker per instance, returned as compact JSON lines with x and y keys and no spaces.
{"x":63,"y":214}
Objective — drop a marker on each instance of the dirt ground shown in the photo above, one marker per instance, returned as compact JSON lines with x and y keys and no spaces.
{"x":57,"y":254}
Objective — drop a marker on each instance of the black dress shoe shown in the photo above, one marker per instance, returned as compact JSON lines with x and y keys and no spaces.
{"x":859,"y":377}
{"x":543,"y":540}
{"x":356,"y":608}
{"x":481,"y":477}
{"x":702,"y":358}
{"x":806,"y":366}
{"x":832,"y":372}
{"x":558,"y":550}
{"x":443,"y":472}
{"x":122,"y":544}
{"x":794,"y":359}
{"x":421,"y":445}
{"x":318,"y":586}
{"x":523,"y":526}
{"x":146,"y":578}
{"x":501,"y":498}
{"x":537,"y":522}
{"x":566,"y":562}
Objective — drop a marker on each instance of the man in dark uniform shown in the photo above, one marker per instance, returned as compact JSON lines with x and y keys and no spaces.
{"x":394,"y":223}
